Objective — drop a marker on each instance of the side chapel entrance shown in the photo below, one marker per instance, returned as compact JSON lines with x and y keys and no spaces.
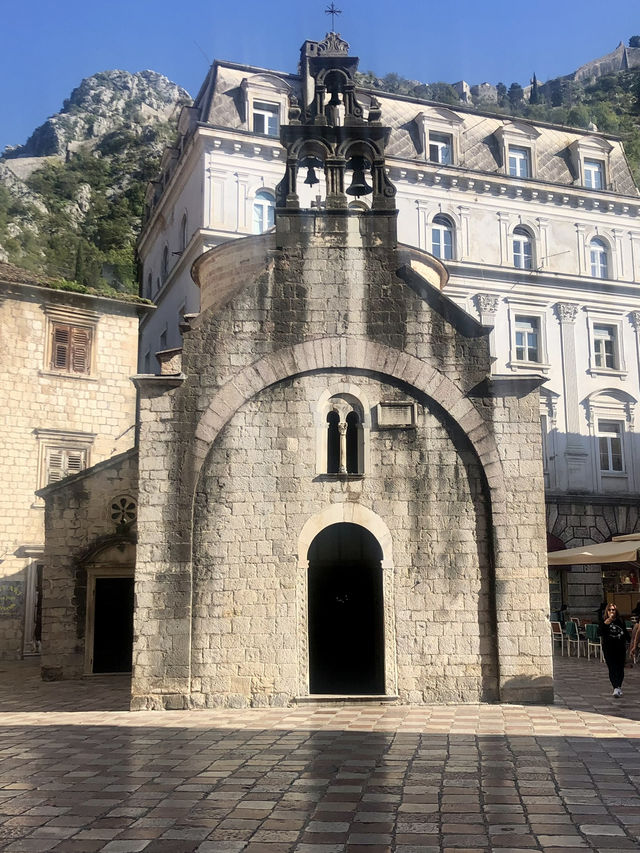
{"x":109,"y":634}
{"x":345,"y":605}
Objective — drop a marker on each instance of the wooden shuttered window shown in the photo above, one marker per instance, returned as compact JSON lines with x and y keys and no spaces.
{"x":71,"y":348}
{"x":61,"y":463}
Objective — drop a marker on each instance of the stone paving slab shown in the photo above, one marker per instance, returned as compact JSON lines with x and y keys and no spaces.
{"x":79,"y":772}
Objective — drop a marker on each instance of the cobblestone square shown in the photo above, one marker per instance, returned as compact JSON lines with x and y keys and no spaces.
{"x":79,"y":772}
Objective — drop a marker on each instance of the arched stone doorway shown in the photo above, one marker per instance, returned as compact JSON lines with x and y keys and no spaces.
{"x":345,"y":612}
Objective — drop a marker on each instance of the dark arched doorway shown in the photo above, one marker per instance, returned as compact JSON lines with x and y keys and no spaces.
{"x":346,"y":627}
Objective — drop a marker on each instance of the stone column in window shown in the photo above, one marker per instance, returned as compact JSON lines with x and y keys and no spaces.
{"x":575,"y":449}
{"x":342,"y":429}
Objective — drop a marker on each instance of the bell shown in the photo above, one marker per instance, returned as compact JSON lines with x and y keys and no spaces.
{"x":359,"y":185}
{"x":335,"y":99}
{"x":311,"y":178}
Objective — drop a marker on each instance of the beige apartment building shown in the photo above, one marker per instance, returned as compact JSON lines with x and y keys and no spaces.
{"x":68,"y":403}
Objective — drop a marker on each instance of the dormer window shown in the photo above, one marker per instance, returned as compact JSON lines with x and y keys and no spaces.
{"x":440,"y":131}
{"x":440,"y":148}
{"x":266,"y":118}
{"x":517,"y":141}
{"x":594,"y":174}
{"x":590,"y":162}
{"x":519,"y":162}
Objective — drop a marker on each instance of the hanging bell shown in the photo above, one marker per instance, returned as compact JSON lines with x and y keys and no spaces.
{"x":311,"y":178}
{"x":359,"y":185}
{"x":335,"y":99}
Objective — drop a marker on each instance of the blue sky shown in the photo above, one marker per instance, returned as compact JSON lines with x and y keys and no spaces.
{"x":48,"y":46}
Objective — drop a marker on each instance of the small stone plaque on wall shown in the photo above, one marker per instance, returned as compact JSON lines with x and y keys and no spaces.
{"x":396,"y":414}
{"x":11,"y":599}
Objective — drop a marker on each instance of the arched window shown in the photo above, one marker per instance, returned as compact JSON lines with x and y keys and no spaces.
{"x":522,"y":249}
{"x":165,"y":263}
{"x":264,"y":209}
{"x":442,"y":237}
{"x":598,"y":258}
{"x":333,"y":443}
{"x":183,"y":233}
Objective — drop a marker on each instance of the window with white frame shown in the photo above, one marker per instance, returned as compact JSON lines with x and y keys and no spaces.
{"x":605,"y":347}
{"x":61,"y":453}
{"x":442,"y":237}
{"x":519,"y":162}
{"x":527,"y":338}
{"x":440,"y":148}
{"x":522,"y":249}
{"x":610,"y":435}
{"x":61,"y":462}
{"x":266,"y":118}
{"x":264,"y":210}
{"x":598,"y":258}
{"x":594,"y":174}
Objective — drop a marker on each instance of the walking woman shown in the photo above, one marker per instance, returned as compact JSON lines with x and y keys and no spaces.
{"x":614,"y":646}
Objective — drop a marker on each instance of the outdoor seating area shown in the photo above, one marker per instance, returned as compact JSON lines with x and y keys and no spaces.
{"x":579,"y":637}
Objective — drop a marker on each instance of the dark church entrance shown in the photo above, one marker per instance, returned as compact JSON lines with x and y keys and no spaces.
{"x":113,"y":624}
{"x":346,"y":627}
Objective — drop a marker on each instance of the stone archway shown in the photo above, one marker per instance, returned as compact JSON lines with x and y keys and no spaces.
{"x":374,"y":568}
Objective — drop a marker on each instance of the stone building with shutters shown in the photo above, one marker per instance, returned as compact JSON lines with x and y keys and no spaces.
{"x":68,"y":403}
{"x":336,"y":497}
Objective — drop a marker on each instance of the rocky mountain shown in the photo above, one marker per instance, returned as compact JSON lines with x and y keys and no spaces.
{"x":71,"y":196}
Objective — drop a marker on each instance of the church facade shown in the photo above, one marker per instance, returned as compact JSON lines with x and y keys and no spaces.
{"x":336,"y":496}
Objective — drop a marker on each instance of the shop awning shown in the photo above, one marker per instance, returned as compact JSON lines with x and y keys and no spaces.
{"x":622,"y":549}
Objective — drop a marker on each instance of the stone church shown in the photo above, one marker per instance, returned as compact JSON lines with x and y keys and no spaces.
{"x":331,"y":495}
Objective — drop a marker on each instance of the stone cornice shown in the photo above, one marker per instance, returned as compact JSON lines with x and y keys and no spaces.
{"x":582,"y":285}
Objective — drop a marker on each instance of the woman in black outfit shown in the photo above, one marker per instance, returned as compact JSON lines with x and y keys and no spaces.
{"x":614,"y":646}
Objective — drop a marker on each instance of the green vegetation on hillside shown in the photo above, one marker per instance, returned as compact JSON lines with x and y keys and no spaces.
{"x":612,"y":103}
{"x":88,"y":227}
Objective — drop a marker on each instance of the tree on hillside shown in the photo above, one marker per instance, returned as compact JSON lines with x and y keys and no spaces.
{"x":501,"y":91}
{"x":515,"y":94}
{"x":634,"y":41}
{"x":534,"y":97}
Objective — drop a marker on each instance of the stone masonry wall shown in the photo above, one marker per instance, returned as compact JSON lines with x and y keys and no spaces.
{"x":259,"y":487}
{"x":36,"y":397}
{"x":80,"y":530}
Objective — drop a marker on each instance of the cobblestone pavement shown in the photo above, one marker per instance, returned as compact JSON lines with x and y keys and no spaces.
{"x":78,"y":772}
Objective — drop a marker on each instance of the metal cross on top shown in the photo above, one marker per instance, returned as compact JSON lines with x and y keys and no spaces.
{"x":331,"y":10}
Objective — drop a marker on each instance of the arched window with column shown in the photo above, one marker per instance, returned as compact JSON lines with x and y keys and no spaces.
{"x":264,"y":210}
{"x":599,"y":258}
{"x":342,"y":421}
{"x":522,"y":248}
{"x":442,"y":237}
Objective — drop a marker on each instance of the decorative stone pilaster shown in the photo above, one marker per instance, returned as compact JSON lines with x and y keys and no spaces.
{"x":575,"y":450}
{"x":487,"y":304}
